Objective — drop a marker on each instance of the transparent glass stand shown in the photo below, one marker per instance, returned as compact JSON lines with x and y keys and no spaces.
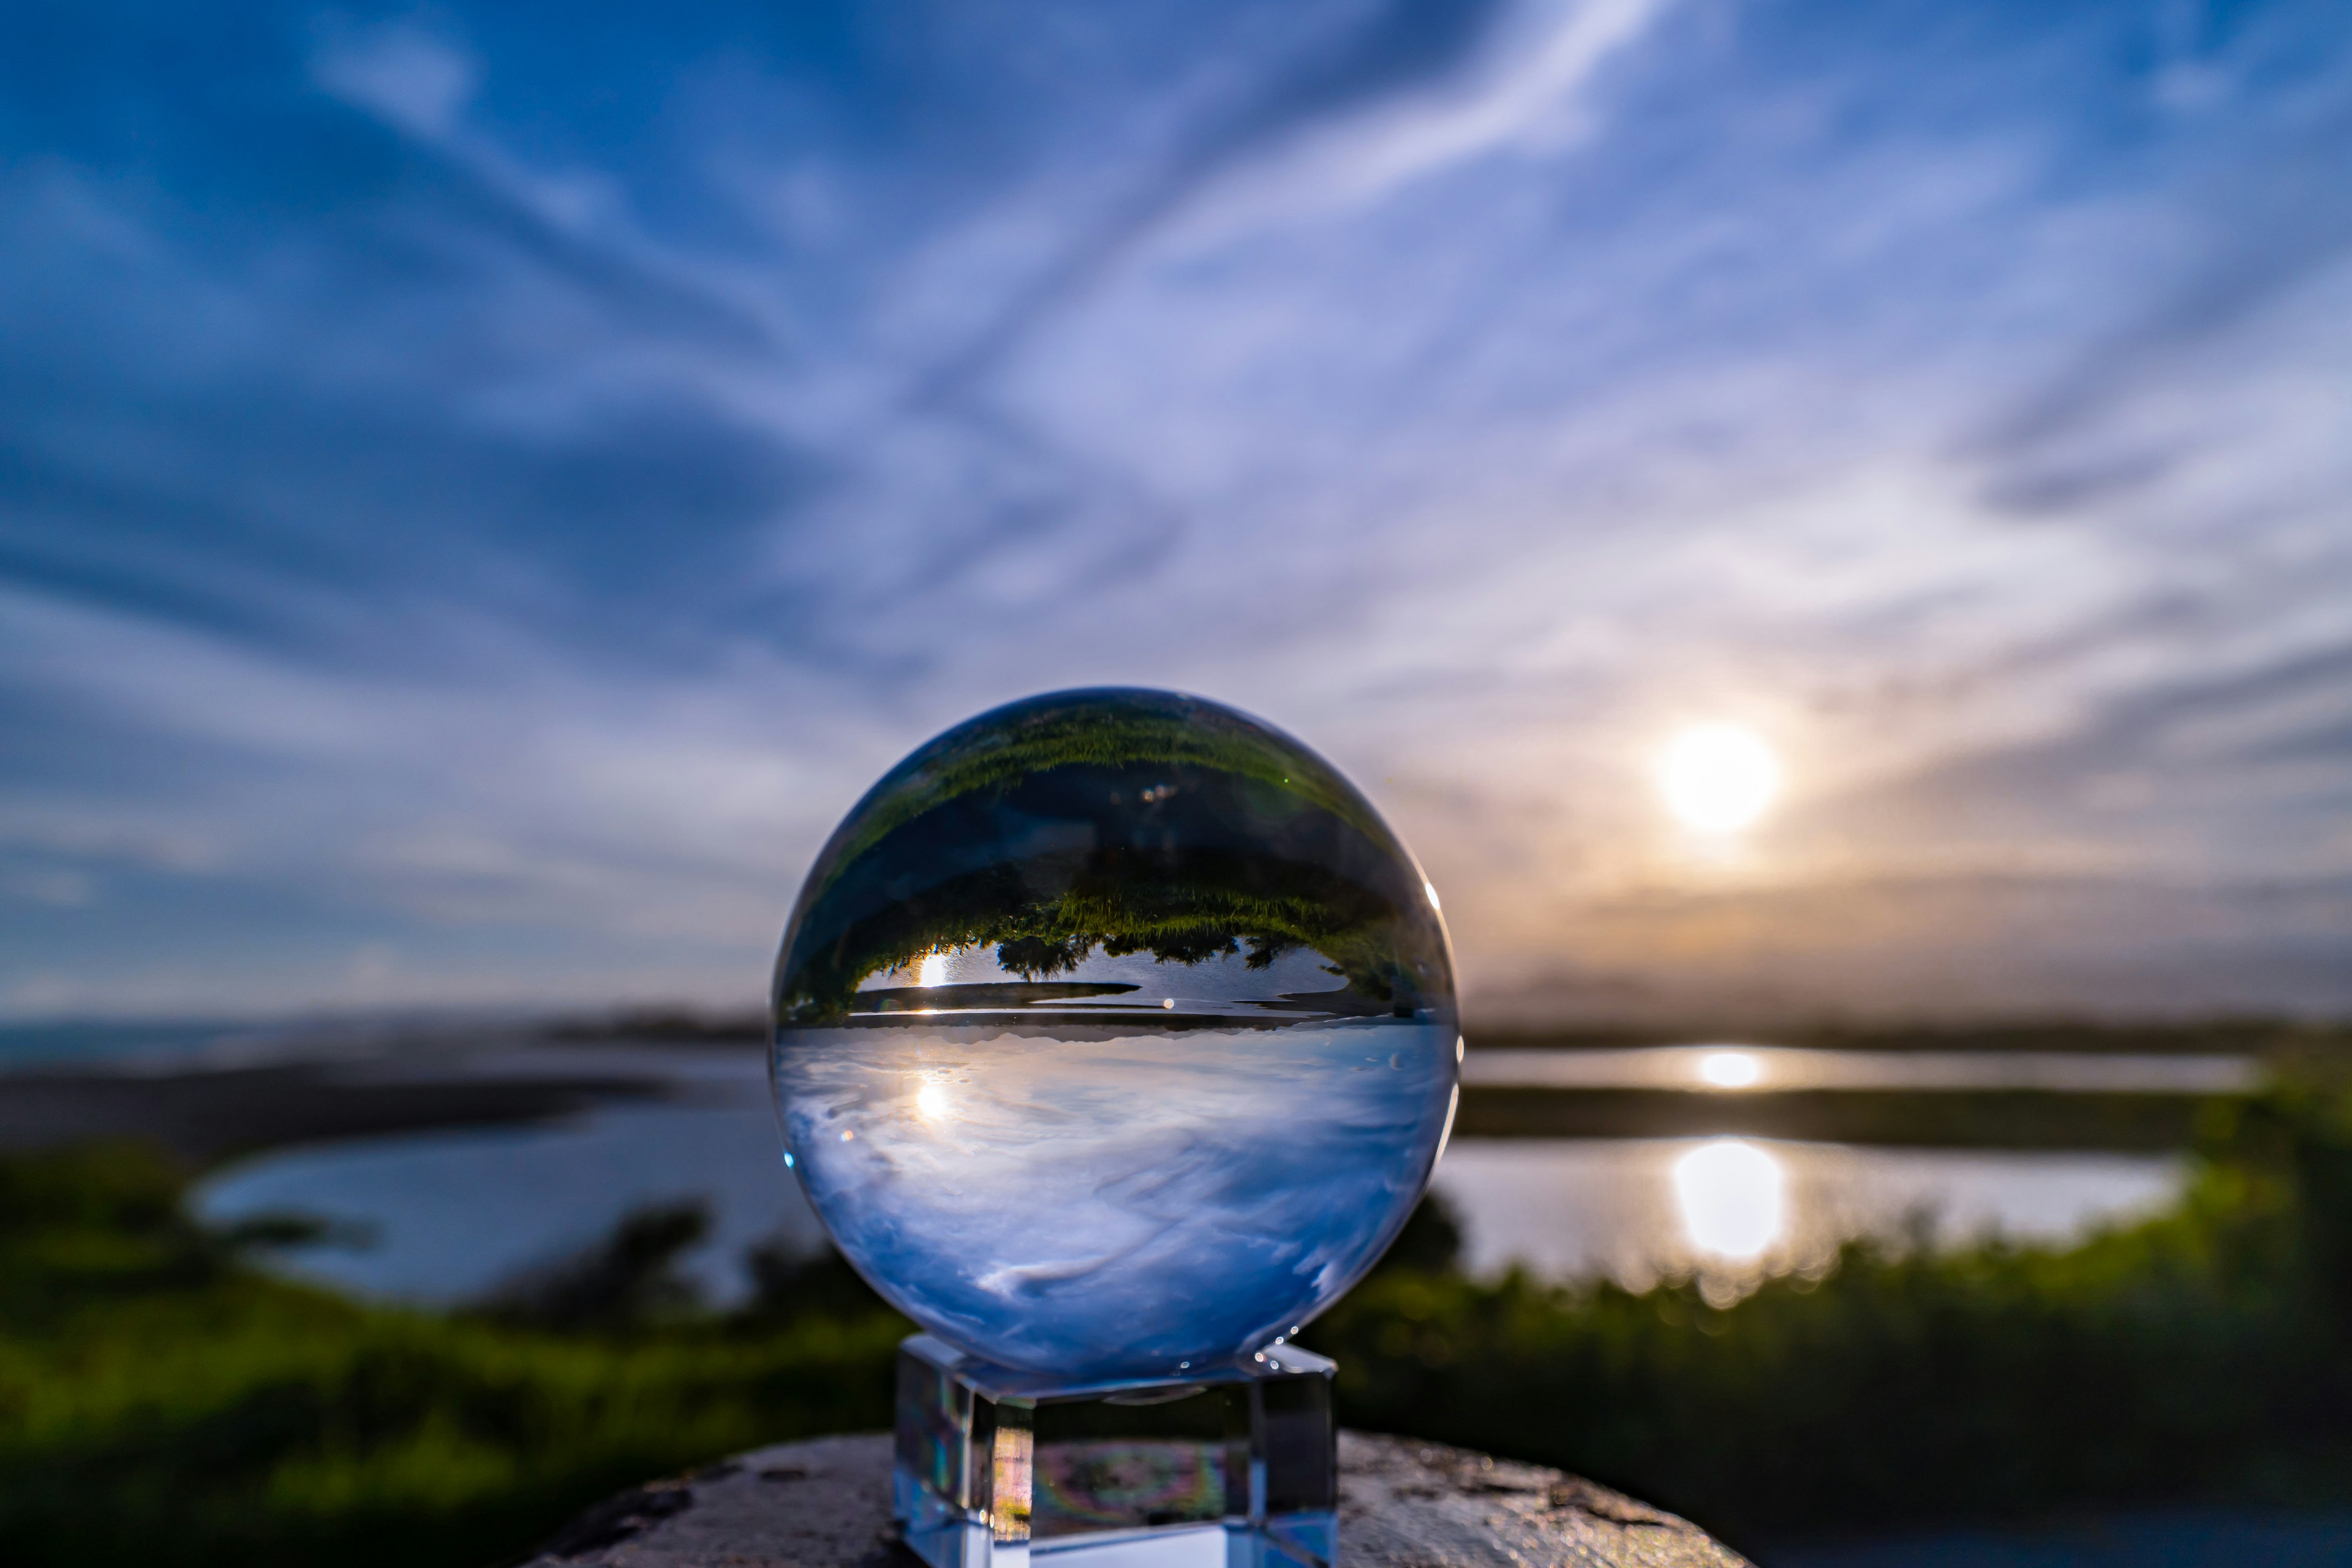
{"x":1237,"y":1466}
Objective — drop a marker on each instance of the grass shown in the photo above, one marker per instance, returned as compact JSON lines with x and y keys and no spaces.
{"x":2202,"y":1357}
{"x":164,"y":1402}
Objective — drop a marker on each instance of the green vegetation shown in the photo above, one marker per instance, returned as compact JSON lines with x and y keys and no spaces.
{"x":1102,"y":729}
{"x":2202,"y":1357}
{"x":1180,"y":906}
{"x":1128,"y":822}
{"x":162,"y":1402}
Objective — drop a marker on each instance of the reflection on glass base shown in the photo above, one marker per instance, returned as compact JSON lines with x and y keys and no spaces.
{"x":1236,"y":1468}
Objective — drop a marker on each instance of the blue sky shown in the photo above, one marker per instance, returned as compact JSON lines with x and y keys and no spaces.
{"x":482,"y":490}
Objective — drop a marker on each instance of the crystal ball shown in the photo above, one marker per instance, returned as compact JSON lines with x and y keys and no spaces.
{"x":1115,"y":1035}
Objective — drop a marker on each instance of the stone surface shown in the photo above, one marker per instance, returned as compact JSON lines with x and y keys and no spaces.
{"x":1402,"y":1504}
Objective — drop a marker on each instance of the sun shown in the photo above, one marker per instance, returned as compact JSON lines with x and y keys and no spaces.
{"x":1718,"y":778}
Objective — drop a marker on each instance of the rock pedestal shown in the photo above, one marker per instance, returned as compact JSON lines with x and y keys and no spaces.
{"x":1402,"y":1504}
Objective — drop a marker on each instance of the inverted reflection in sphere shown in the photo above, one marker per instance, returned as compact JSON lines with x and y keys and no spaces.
{"x":1114,"y":1032}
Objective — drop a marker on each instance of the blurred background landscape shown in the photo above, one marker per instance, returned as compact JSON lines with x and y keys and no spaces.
{"x":1829,"y":529}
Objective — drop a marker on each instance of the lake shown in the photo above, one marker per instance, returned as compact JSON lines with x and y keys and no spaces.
{"x":452,"y":1213}
{"x":1730,"y":1068}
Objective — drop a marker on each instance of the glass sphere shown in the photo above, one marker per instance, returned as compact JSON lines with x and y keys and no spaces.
{"x":1114,"y":1035}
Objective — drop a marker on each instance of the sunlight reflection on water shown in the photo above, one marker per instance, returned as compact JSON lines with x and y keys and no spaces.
{"x":1797,"y":1067}
{"x":455,"y":1211}
{"x":1729,"y":1193}
{"x":1734,"y":1211}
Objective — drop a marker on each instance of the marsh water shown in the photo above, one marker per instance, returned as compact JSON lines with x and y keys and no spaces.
{"x":1732,"y":1066}
{"x":452,"y":1213}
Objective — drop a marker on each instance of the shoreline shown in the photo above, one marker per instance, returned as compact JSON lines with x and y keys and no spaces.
{"x":207,"y":1117}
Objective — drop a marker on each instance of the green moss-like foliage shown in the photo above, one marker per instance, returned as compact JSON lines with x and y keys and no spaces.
{"x":164,"y":1404}
{"x":1200,"y":906}
{"x":2204,"y":1357}
{"x":1107,"y":728}
{"x":1189,"y":832}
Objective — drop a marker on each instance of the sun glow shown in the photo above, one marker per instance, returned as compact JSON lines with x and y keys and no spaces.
{"x":934,"y":971}
{"x":1718,"y":778}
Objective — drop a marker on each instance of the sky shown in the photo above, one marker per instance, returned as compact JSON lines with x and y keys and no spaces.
{"x":484,"y":488}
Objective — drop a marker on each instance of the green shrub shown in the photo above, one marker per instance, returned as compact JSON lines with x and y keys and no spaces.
{"x":164,"y":1402}
{"x":2202,"y":1356}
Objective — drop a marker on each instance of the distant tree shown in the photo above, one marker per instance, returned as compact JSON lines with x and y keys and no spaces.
{"x":1430,"y":1241}
{"x":790,"y":1282}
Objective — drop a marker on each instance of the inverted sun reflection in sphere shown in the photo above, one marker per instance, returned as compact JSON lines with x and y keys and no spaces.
{"x":931,"y":1100}
{"x":1718,"y":778}
{"x":1179,"y":1052}
{"x":1731,"y":1198}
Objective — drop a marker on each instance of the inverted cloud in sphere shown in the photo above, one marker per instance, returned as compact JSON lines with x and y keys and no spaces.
{"x":1114,"y":1205}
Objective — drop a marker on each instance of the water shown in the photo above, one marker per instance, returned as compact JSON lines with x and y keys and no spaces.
{"x":1732,"y":1068}
{"x":1115,"y":1035}
{"x":452,"y":1215}
{"x":448,"y":1217}
{"x":1116,"y":1032}
{"x":1733,"y":1210}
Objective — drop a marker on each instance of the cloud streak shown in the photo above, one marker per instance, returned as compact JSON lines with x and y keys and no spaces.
{"x":477,"y":501}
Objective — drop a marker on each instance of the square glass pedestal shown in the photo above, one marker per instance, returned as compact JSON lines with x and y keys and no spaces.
{"x":1237,"y":1466}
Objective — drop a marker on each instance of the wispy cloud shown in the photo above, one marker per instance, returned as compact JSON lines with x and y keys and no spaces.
{"x":480,"y":495}
{"x":415,"y":80}
{"x":1524,"y":90}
